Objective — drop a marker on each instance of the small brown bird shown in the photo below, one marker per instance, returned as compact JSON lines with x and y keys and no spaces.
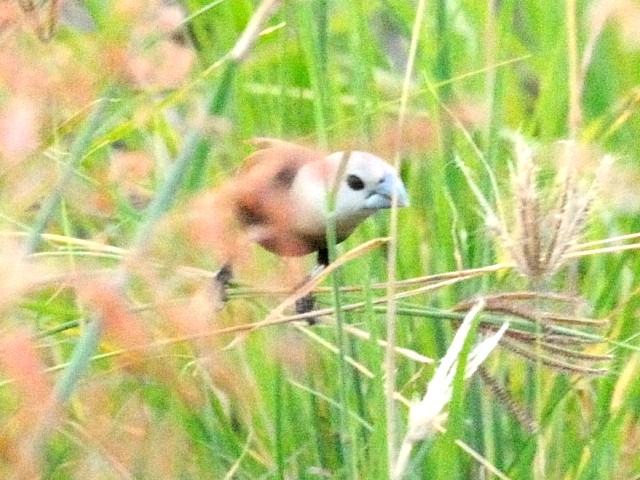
{"x":279,"y":199}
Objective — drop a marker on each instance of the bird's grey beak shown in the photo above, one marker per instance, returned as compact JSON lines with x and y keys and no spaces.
{"x":389,"y":185}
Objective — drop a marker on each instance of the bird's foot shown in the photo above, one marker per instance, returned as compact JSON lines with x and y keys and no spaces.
{"x":221,"y":281}
{"x":306,"y":304}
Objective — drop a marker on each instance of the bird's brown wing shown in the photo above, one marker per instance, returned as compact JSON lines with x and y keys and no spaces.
{"x":255,"y":205}
{"x":262,"y":195}
{"x":273,"y":151}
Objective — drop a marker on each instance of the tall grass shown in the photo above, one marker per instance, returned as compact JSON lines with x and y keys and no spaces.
{"x":118,"y":358}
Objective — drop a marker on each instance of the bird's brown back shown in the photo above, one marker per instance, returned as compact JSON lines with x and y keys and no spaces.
{"x":261,"y":195}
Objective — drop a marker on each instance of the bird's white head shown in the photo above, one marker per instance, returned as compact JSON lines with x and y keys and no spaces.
{"x":366,"y":184}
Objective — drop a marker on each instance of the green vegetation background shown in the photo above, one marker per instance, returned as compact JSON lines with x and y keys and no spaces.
{"x":130,"y":109}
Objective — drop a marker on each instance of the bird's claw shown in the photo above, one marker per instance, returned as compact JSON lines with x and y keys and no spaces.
{"x":221,"y":282}
{"x":306,"y":304}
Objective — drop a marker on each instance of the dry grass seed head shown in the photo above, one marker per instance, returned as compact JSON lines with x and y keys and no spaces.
{"x":126,"y":437}
{"x":556,"y":340}
{"x":556,"y":362}
{"x":139,"y":334}
{"x":541,"y":235}
{"x":21,"y":363}
{"x":157,"y":57}
{"x":120,"y":326}
{"x":22,"y":437}
{"x":523,"y":416}
{"x":19,"y":130}
{"x":194,"y":316}
{"x":528,"y":242}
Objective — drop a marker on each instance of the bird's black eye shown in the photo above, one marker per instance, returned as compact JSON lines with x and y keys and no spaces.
{"x":355,"y":182}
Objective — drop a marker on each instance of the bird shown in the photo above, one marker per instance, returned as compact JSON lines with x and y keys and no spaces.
{"x":279,"y":199}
